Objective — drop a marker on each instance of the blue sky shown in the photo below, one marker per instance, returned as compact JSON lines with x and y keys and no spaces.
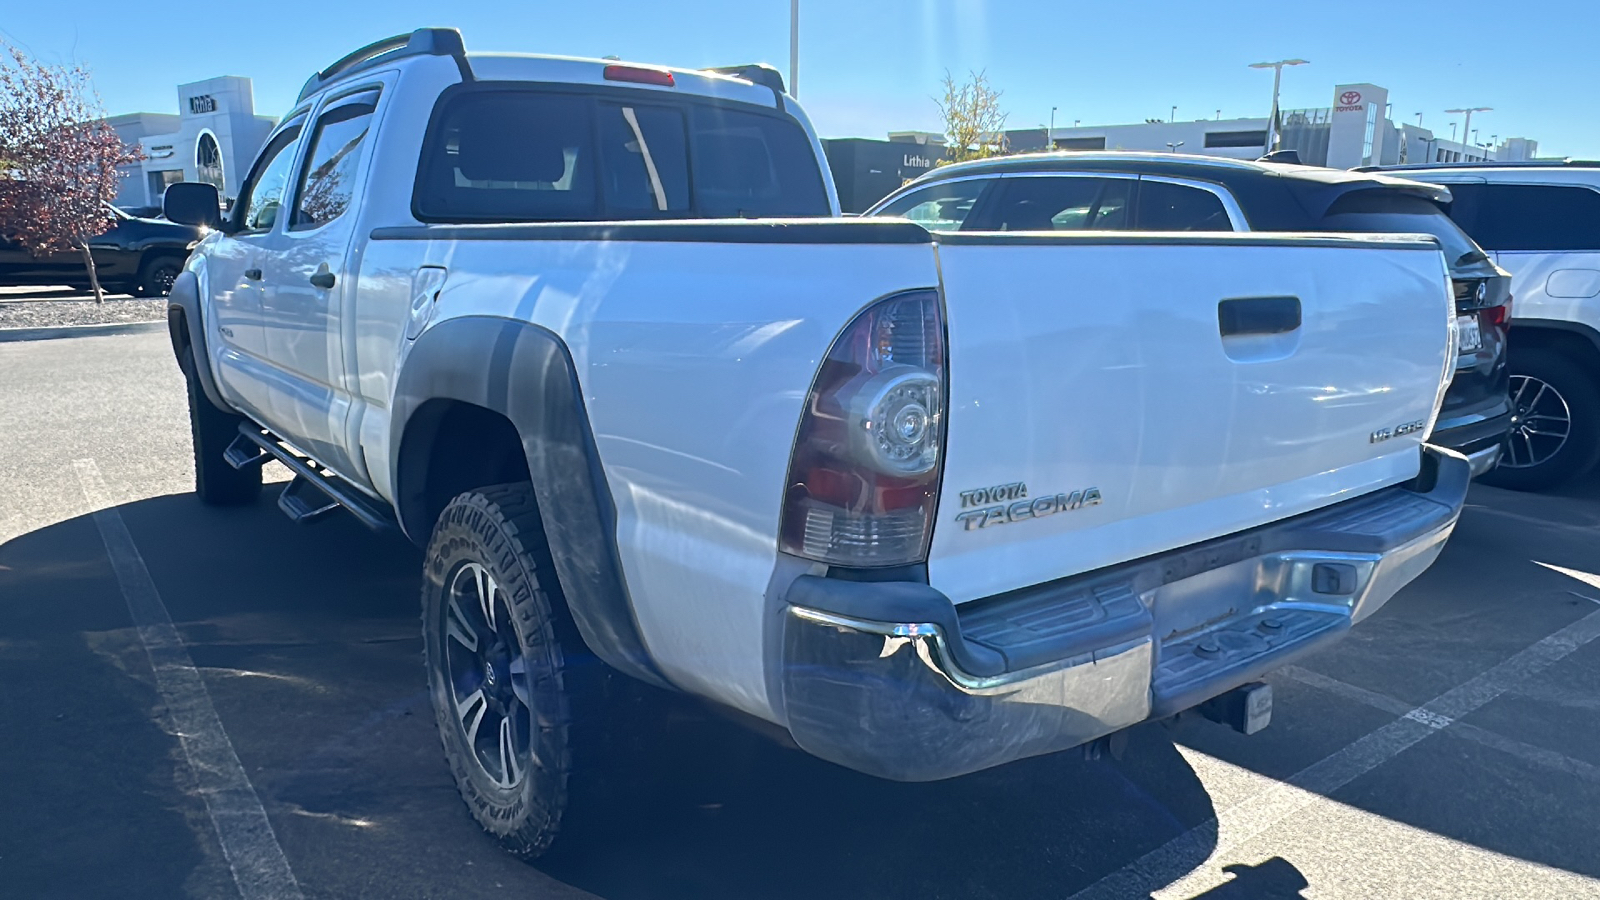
{"x":871,"y":66}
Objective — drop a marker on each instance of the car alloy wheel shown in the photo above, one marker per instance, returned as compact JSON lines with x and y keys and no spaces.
{"x":1540,"y":423}
{"x":488,"y":675}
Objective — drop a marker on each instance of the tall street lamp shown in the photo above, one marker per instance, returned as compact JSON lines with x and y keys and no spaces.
{"x":1050,"y":136}
{"x":1172,"y":146}
{"x":1173,"y":116}
{"x":1277,"y":80}
{"x":1466,"y":127}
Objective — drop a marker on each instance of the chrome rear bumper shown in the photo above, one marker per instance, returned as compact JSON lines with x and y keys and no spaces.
{"x":891,"y":679}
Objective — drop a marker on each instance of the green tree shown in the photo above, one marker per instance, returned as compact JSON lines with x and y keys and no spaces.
{"x":974,"y":123}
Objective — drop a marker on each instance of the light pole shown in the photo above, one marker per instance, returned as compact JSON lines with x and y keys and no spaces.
{"x":1466,"y":127}
{"x":1419,"y":120}
{"x":1050,"y":136}
{"x":1173,"y":117}
{"x":1172,"y":146}
{"x":1277,"y":80}
{"x":794,"y":49}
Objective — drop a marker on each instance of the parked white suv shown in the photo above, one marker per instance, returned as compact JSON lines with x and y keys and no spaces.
{"x":1541,"y":220}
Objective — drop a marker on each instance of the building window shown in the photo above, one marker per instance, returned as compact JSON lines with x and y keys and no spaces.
{"x":160,"y":181}
{"x":208,"y":160}
{"x":1372,"y":127}
{"x":1081,"y":143}
{"x":1236,"y":139}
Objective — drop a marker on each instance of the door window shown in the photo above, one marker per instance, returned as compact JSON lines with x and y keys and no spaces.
{"x":1072,"y":203}
{"x":264,"y":194}
{"x":1528,"y":216}
{"x":328,"y":181}
{"x":938,"y":207}
{"x":1164,"y":206}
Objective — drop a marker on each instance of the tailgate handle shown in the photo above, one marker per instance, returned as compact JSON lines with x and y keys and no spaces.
{"x":1258,"y":315}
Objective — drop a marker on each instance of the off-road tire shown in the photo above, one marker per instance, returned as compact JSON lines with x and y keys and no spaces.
{"x":498,"y":528}
{"x":213,"y":429}
{"x":1581,"y":395}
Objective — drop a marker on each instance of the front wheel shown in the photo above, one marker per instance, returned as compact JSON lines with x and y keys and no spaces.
{"x":505,"y":694}
{"x":1555,"y":423}
{"x":212,"y":430}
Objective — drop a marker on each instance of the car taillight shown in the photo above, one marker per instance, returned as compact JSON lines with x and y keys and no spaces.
{"x":864,"y":478}
{"x":1499,"y":316}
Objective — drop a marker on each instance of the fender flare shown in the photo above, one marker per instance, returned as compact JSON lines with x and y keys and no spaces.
{"x":1580,"y":329}
{"x":525,"y":373}
{"x":186,"y":328}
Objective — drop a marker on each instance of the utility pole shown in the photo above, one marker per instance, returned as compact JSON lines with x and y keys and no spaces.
{"x":794,"y":49}
{"x":1277,"y":80}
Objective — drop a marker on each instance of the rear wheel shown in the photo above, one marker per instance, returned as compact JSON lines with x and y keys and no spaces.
{"x":157,"y":274}
{"x":1555,"y":423}
{"x":515,"y":695}
{"x":213,"y":429}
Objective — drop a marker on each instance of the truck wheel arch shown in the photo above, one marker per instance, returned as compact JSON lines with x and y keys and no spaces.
{"x":186,"y":328}
{"x":486,"y":372}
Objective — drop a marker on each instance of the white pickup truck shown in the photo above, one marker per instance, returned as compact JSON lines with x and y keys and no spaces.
{"x":594,"y":335}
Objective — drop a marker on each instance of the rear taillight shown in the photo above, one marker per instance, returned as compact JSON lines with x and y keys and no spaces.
{"x":864,"y":478}
{"x":1499,"y":316}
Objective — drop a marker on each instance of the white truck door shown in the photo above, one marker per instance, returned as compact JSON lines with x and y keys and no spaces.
{"x":234,"y":274}
{"x":310,"y":277}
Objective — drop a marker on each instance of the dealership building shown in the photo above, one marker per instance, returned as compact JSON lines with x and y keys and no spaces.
{"x":1355,"y":129}
{"x":213,"y":138}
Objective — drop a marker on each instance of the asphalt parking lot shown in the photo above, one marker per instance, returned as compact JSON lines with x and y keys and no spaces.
{"x":1450,"y":747}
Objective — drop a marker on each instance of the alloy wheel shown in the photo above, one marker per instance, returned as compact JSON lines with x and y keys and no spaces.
{"x":1540,"y":423}
{"x":488,"y":676}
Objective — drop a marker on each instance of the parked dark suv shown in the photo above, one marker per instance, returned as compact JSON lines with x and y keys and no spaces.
{"x":1173,"y":192}
{"x":135,"y":256}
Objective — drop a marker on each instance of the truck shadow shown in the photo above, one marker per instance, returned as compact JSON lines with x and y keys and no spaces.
{"x":339,"y":732}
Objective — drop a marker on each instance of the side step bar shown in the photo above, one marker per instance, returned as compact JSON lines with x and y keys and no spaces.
{"x":312,"y":494}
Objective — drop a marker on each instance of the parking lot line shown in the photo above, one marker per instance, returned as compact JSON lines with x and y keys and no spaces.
{"x":1550,"y":759}
{"x":259,"y":867}
{"x":1260,"y":812}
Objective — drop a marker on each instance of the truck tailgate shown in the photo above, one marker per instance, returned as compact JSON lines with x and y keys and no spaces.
{"x":1112,"y":397}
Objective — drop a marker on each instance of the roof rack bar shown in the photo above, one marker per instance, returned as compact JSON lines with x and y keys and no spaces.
{"x":422,"y":42}
{"x":1487,"y":164}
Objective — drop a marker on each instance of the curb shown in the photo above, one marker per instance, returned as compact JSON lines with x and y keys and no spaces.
{"x":8,"y":335}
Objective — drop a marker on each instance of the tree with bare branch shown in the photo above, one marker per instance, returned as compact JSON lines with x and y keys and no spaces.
{"x":974,"y":123}
{"x":58,"y":159}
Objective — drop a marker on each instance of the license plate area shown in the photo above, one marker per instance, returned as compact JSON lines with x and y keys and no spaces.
{"x":1468,"y":337}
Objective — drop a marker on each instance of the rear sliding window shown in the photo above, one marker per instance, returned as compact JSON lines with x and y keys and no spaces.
{"x":541,"y":156}
{"x":1392,"y":212}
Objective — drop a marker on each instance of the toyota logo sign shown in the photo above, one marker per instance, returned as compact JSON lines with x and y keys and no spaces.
{"x":1349,"y":98}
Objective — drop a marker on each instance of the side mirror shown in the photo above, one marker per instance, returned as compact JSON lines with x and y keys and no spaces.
{"x":193,"y":203}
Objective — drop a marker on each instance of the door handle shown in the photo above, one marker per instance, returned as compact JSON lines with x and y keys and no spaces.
{"x":1258,"y":315}
{"x":323,"y":278}
{"x":253,"y":274}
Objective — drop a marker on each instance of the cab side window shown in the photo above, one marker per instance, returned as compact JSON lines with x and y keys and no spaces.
{"x":328,"y":182}
{"x":939,"y":207}
{"x":1164,"y":206}
{"x":263,"y":196}
{"x":1065,"y":203}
